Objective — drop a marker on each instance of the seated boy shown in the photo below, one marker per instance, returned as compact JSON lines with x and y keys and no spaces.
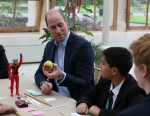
{"x":115,"y":66}
{"x":141,"y":51}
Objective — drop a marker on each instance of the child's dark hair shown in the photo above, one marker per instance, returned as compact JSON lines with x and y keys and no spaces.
{"x":120,"y":58}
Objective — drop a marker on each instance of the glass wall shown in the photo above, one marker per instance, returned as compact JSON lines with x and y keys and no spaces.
{"x":20,"y":15}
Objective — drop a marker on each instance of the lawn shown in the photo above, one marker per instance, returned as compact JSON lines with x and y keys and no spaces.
{"x":139,"y":19}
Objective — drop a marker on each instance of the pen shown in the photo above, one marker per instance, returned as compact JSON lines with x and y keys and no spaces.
{"x":56,"y":107}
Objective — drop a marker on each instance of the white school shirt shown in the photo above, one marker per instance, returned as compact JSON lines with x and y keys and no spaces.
{"x":115,"y":91}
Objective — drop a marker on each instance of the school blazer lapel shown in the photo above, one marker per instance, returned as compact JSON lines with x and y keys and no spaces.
{"x":121,"y":93}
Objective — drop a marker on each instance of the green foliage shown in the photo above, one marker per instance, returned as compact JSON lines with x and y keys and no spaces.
{"x":46,"y":36}
{"x":100,"y":3}
{"x":139,"y":19}
{"x":7,"y":12}
{"x":137,"y":2}
{"x":97,"y":52}
{"x":74,"y":24}
{"x":87,"y":8}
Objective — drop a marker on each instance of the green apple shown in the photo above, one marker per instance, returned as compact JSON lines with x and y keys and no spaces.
{"x":48,"y":65}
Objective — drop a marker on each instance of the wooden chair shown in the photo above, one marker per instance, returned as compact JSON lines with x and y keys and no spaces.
{"x":97,"y":74}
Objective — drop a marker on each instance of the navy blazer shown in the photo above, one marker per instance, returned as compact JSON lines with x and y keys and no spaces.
{"x":142,"y":109}
{"x":129,"y":94}
{"x":78,"y":65}
{"x":3,"y":63}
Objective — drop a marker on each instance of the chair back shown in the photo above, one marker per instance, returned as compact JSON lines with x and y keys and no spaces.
{"x":97,"y":74}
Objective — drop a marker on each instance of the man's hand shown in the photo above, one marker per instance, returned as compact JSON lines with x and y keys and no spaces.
{"x":82,"y":108}
{"x":6,"y":109}
{"x":94,"y":110}
{"x":46,"y":88}
{"x":56,"y":73}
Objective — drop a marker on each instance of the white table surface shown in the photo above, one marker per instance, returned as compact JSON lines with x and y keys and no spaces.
{"x":25,"y":84}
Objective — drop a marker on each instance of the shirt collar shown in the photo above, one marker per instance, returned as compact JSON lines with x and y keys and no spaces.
{"x":116,"y":89}
{"x":64,"y":42}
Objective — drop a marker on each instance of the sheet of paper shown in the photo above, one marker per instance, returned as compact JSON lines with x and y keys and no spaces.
{"x":49,"y":99}
{"x":35,"y":93}
{"x":37,"y":113}
{"x":75,"y":114}
{"x":27,"y":109}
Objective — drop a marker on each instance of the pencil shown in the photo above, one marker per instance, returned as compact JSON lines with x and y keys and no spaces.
{"x":40,"y":100}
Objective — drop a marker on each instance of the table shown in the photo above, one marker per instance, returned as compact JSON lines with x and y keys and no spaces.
{"x":25,"y":84}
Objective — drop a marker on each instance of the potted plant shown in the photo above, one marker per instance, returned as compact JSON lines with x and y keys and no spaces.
{"x":97,"y":52}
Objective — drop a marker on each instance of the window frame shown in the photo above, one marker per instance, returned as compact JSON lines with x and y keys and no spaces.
{"x":115,"y":14}
{"x":35,"y":28}
{"x":128,"y":27}
{"x":114,"y":26}
{"x":114,"y":20}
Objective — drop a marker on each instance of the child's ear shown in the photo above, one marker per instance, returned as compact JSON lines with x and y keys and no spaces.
{"x":114,"y":70}
{"x":144,"y":70}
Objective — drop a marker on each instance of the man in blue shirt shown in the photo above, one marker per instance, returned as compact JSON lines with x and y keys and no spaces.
{"x":73,"y":59}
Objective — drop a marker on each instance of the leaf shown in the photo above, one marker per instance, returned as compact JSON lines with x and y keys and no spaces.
{"x":85,"y":15}
{"x":43,"y":36}
{"x":44,"y":41}
{"x":88,"y":33}
{"x":87,"y":9}
{"x":45,"y":29}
